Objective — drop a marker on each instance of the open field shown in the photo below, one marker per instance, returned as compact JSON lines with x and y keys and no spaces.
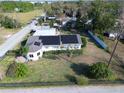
{"x":6,"y":33}
{"x":24,"y":17}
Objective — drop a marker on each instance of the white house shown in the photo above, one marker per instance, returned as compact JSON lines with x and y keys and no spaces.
{"x":45,"y":30}
{"x":39,"y":44}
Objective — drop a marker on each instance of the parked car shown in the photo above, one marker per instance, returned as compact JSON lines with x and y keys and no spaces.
{"x":111,"y":35}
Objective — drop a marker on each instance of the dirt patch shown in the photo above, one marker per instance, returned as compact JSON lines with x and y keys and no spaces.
{"x":92,"y":54}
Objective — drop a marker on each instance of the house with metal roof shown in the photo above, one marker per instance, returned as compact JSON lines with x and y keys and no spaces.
{"x":44,"y":30}
{"x":39,"y":44}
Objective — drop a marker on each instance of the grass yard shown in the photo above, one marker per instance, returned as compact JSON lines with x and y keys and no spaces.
{"x":44,"y":70}
{"x":24,"y":17}
{"x":119,"y":50}
{"x":61,"y":68}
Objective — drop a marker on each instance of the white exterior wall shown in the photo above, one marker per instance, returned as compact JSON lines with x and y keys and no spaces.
{"x":61,"y":47}
{"x":35,"y":57}
{"x":52,"y":47}
{"x":70,"y":46}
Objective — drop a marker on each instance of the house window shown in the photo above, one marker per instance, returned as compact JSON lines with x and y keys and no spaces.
{"x":38,"y":53}
{"x":31,"y":55}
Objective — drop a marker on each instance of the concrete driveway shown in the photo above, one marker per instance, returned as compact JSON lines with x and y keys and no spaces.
{"x":67,"y":89}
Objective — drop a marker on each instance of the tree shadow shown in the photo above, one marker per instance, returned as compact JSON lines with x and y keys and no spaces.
{"x":80,"y":69}
{"x":71,"y":78}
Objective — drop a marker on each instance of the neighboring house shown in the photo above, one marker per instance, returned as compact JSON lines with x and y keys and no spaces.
{"x":113,"y":35}
{"x":39,"y":44}
{"x":45,"y":30}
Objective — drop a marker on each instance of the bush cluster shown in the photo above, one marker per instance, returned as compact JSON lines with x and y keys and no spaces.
{"x":17,"y":70}
{"x":82,"y":80}
{"x":101,"y":71}
{"x":8,"y":22}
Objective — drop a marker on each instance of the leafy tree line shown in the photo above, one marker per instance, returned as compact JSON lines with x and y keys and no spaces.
{"x":9,"y":6}
{"x":102,"y":14}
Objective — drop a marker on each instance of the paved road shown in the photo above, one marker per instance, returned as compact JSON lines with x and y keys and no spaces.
{"x":11,"y":42}
{"x":68,"y":89}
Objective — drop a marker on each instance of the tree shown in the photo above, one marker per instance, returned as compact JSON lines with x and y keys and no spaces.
{"x":8,"y":22}
{"x":23,"y":50}
{"x":100,"y":71}
{"x":103,"y":15}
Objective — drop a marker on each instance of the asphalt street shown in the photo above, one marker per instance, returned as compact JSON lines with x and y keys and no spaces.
{"x":67,"y":89}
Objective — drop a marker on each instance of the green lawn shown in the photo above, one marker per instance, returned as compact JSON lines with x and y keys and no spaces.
{"x":44,"y":70}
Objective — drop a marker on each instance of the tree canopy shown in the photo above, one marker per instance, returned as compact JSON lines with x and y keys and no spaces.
{"x":103,"y":15}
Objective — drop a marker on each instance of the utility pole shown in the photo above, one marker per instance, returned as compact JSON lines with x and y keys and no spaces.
{"x":115,"y":47}
{"x":120,"y":29}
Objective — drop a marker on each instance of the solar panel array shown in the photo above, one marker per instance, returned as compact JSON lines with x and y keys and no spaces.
{"x":55,"y":40}
{"x":66,"y":39}
{"x":50,"y":40}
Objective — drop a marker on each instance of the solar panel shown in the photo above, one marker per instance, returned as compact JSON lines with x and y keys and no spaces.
{"x":37,"y":43}
{"x":50,"y":40}
{"x":66,"y":39}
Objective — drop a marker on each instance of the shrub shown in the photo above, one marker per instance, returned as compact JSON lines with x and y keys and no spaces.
{"x":84,"y":41}
{"x":21,"y":70}
{"x":17,"y":70}
{"x":9,"y":23}
{"x":100,"y":71}
{"x":23,"y":50}
{"x":81,"y":80}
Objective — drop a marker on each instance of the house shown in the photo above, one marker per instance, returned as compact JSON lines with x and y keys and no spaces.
{"x":114,"y":35}
{"x":45,"y":30}
{"x":39,"y":44}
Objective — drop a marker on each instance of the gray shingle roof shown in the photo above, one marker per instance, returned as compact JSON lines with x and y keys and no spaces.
{"x":31,"y":43}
